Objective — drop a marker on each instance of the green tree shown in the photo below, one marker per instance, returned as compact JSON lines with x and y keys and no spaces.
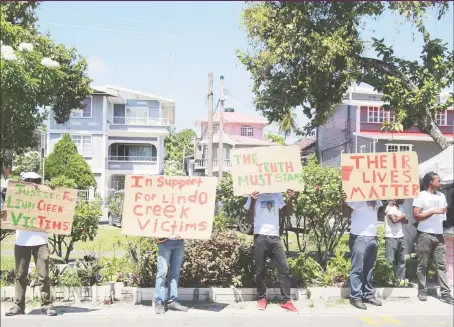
{"x":180,"y":142}
{"x":26,"y":162}
{"x":278,"y":139}
{"x":287,"y":122}
{"x":320,"y":204}
{"x":65,"y":161}
{"x":308,"y":53}
{"x":35,"y":74}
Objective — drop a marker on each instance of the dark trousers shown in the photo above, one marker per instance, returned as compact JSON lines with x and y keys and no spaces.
{"x":426,"y":246}
{"x":395,"y":252}
{"x":364,"y":255}
{"x":271,"y":247}
{"x":23,"y":256}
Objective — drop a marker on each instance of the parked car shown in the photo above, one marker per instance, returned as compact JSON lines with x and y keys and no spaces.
{"x":115,"y":211}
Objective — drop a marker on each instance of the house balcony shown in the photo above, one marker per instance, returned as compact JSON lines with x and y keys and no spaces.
{"x":133,"y":158}
{"x":203,"y":164}
{"x":137,"y":121}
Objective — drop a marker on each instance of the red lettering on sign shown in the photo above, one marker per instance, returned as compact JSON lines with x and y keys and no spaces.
{"x":169,"y":211}
{"x":406,"y":190}
{"x":289,"y":167}
{"x":56,"y":225}
{"x":137,"y":180}
{"x":135,"y":210}
{"x":203,"y":225}
{"x":260,"y":165}
{"x":41,"y":221}
{"x":394,"y":176}
{"x":415,"y":189}
{"x":163,"y":228}
{"x":66,"y":225}
{"x":364,"y":178}
{"x":184,"y":211}
{"x":357,"y":159}
{"x":372,"y":160}
{"x":142,"y":227}
{"x":407,"y":173}
{"x":373,"y":193}
{"x":383,"y":161}
{"x":405,"y":161}
{"x":355,"y":190}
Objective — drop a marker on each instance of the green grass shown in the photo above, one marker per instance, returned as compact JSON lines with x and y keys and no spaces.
{"x":7,"y":262}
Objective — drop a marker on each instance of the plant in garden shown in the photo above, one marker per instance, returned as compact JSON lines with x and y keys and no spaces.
{"x":384,"y":272}
{"x":223,"y":260}
{"x":232,"y":206}
{"x":142,"y":254}
{"x":26,"y":162}
{"x":84,"y":228}
{"x":36,"y":74}
{"x":320,"y":204}
{"x":306,"y":55}
{"x":66,"y":161}
{"x":275,"y":138}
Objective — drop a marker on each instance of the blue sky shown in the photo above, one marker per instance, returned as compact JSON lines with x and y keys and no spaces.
{"x":129,"y":44}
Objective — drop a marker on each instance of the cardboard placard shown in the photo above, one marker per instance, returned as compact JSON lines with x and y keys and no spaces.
{"x":169,"y":206}
{"x":39,"y":209}
{"x":270,"y":169}
{"x":380,"y":176}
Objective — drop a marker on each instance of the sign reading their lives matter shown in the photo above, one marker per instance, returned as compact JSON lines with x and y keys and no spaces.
{"x":169,"y":206}
{"x":380,"y":176}
{"x":266,"y":169}
{"x":39,"y":208}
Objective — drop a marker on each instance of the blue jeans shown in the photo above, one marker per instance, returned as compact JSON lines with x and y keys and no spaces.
{"x":170,"y":252}
{"x":364,"y":255}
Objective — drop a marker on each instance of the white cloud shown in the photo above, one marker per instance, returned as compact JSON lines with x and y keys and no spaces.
{"x":96,"y":65}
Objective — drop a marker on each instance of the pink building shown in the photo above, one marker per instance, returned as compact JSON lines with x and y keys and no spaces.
{"x":240,"y":130}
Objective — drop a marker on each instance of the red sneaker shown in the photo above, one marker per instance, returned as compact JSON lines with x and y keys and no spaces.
{"x":289,"y":306}
{"x":261,"y":304}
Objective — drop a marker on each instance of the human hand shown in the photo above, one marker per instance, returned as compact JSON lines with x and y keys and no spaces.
{"x":255,"y":195}
{"x":392,"y":202}
{"x":290,"y":193}
{"x":343,"y":196}
{"x":439,"y":211}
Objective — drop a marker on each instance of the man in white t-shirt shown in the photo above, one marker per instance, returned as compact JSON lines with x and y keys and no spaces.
{"x":429,"y":210}
{"x":363,"y":247}
{"x":394,"y":236}
{"x":30,"y":244}
{"x":264,"y":214}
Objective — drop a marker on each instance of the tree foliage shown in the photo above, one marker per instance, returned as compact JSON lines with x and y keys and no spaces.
{"x":26,"y":162}
{"x":35,"y":73}
{"x":278,"y":139}
{"x":65,"y":161}
{"x":176,"y":143}
{"x":232,"y":206}
{"x":307,"y":54}
{"x":320,"y":204}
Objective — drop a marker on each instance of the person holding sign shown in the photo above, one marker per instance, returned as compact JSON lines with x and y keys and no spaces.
{"x":363,"y":247}
{"x":429,"y":210}
{"x":170,"y":257}
{"x":264,"y":214}
{"x":28,"y":244}
{"x":394,"y":236}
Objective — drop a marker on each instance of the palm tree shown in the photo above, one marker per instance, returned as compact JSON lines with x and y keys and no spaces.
{"x":287,"y":123}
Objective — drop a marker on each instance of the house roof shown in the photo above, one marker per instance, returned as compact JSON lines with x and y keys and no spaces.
{"x":235,"y":117}
{"x":102,"y":90}
{"x":398,"y":136}
{"x":237,"y":140}
{"x":139,"y":93}
{"x":307,"y":142}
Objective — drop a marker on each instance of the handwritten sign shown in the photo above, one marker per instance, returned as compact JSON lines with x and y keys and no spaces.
{"x":266,"y":169}
{"x":39,"y":209}
{"x":169,"y":206}
{"x":380,"y":176}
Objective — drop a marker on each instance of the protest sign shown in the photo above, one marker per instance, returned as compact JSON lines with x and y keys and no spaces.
{"x":169,"y":206}
{"x":380,"y":176}
{"x":39,"y":209}
{"x":266,"y":169}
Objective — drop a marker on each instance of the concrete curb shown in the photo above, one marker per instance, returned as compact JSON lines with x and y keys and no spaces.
{"x":118,"y":292}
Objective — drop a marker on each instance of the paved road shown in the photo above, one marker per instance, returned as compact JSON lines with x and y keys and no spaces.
{"x":411,"y":313}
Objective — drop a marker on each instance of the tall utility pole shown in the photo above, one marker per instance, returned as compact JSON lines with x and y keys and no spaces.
{"x":210,"y":126}
{"x":221,"y":131}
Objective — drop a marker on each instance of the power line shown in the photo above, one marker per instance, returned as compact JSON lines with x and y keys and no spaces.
{"x":110,"y":29}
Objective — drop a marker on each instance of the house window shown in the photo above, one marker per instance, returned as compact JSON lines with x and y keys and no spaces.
{"x":84,"y":112}
{"x":399,"y":147}
{"x":441,"y":118}
{"x":379,"y":115}
{"x":83,"y":143}
{"x":215,"y":128}
{"x":247,"y":131}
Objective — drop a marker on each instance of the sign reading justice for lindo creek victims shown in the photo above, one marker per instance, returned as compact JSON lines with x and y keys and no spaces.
{"x":39,"y":209}
{"x":169,"y":206}
{"x":266,"y":169}
{"x":380,"y":176}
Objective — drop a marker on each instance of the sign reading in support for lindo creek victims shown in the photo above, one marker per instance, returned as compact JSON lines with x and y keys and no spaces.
{"x":266,"y":169}
{"x":169,"y":206}
{"x":380,"y":176}
{"x":39,"y":208}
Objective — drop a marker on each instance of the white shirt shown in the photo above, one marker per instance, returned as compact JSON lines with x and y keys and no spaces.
{"x":428,"y":201}
{"x":266,"y":213}
{"x":364,"y":217}
{"x":27,"y":238}
{"x":393,"y":230}
{"x":3,"y":181}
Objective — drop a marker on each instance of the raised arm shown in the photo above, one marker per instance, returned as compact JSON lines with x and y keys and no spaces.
{"x":289,"y":205}
{"x":251,"y":210}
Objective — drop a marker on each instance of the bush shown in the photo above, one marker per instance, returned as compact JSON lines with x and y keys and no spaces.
{"x":142,"y":253}
{"x":232,"y":206}
{"x":84,"y":228}
{"x":66,"y":161}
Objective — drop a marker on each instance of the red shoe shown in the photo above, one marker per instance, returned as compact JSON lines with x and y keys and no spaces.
{"x":261,"y":304}
{"x":289,"y":306}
